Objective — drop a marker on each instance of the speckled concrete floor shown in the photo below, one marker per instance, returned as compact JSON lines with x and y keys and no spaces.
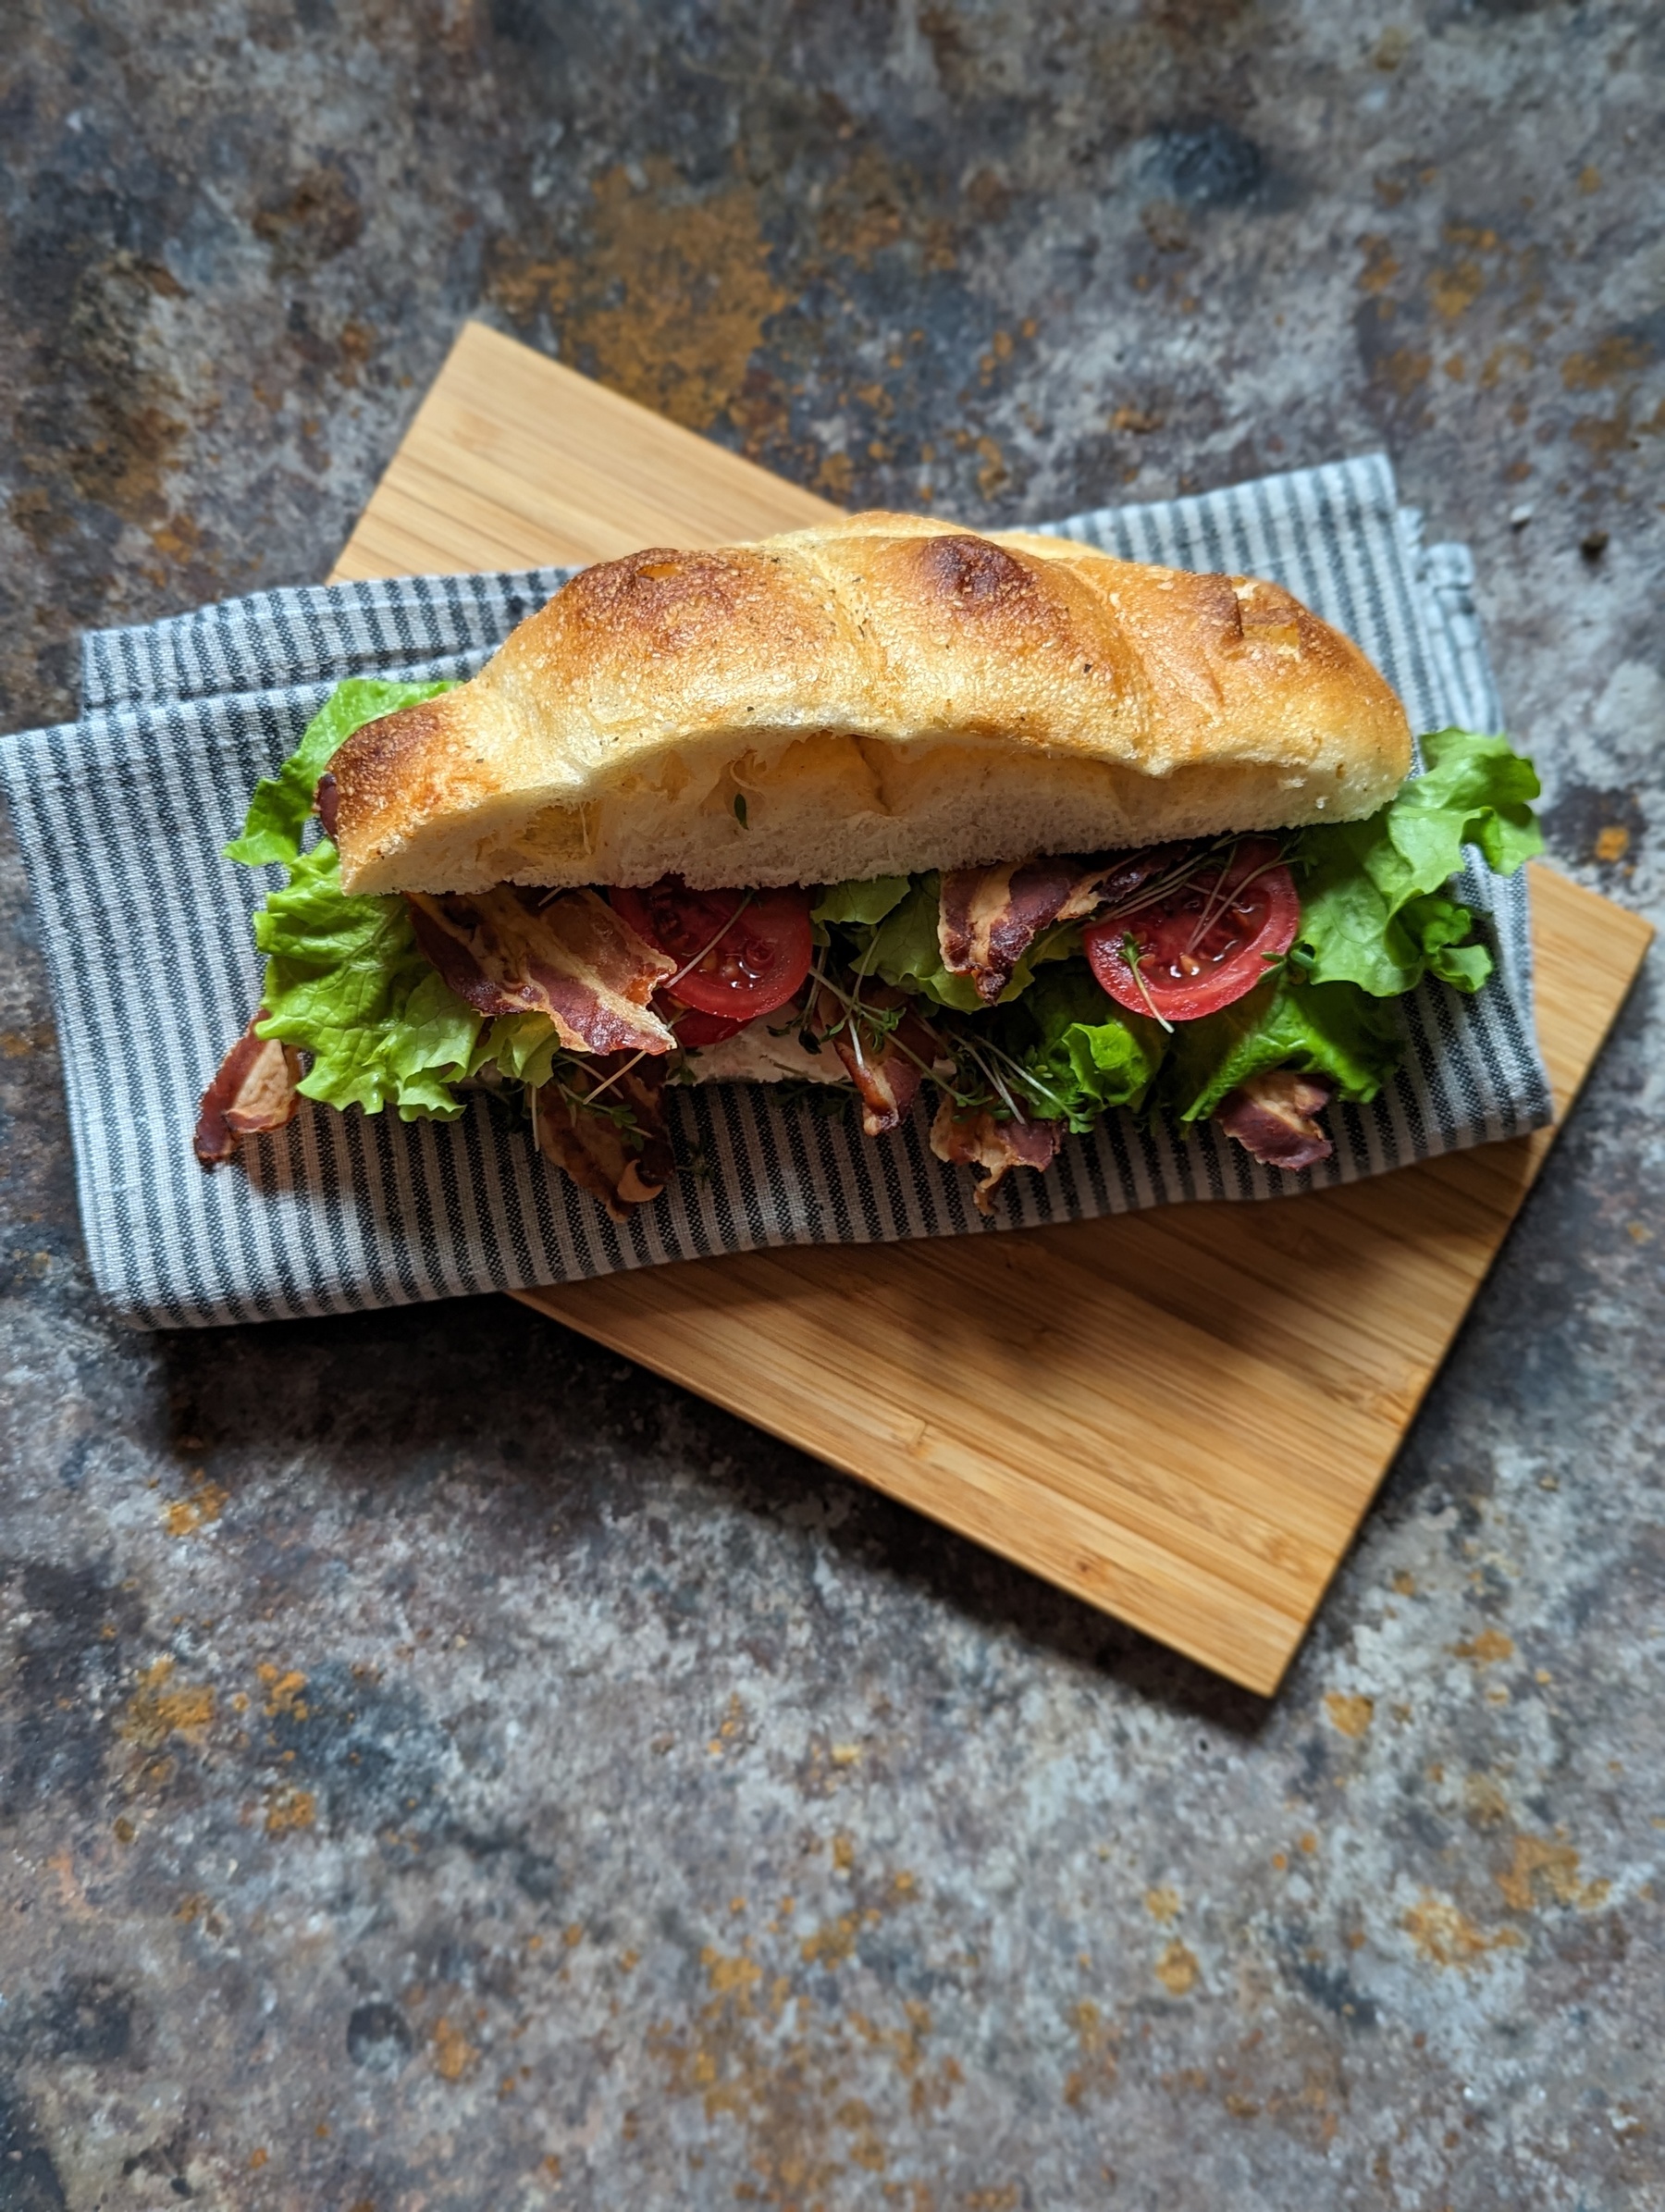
{"x":446,"y":1769}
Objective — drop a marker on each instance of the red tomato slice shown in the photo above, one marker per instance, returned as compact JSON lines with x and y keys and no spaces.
{"x":743,"y":954}
{"x":1206,"y":944}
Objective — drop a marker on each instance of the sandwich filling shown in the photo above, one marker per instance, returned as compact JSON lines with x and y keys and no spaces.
{"x":1244,"y":980}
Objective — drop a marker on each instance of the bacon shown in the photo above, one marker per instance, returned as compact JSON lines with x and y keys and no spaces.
{"x":254,"y":1089}
{"x":571,"y":958}
{"x":326,"y":798}
{"x":888,"y":1081}
{"x":988,"y":918}
{"x":1271,"y":1116}
{"x":888,"y":1068}
{"x":622,"y":1166}
{"x":976,"y":1139}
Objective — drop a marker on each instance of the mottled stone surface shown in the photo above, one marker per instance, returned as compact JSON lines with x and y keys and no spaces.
{"x":445,"y":1768}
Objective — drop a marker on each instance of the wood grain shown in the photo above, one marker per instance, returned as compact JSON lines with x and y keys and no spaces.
{"x":513,"y":462}
{"x":1179,"y":1416}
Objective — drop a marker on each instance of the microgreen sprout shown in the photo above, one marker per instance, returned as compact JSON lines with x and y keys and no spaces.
{"x":590,"y":1097}
{"x":1133,"y":953}
{"x":704,"y":953}
{"x":1025,"y":1075}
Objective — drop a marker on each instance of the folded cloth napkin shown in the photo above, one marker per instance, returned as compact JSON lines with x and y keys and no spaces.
{"x":122,"y":815}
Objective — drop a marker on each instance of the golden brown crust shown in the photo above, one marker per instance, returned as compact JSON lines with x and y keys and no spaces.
{"x":886,"y":692}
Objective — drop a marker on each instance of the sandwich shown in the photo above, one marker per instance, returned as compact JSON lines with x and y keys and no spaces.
{"x":996,"y":829}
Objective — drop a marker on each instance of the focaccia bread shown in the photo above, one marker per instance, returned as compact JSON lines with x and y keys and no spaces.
{"x":878,"y":696}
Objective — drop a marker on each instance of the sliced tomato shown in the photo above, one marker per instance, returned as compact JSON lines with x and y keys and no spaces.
{"x":741,"y":954}
{"x":1206,"y":943}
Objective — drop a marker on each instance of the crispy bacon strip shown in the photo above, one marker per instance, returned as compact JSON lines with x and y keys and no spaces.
{"x":1271,"y":1116}
{"x":254,"y":1089}
{"x":975,"y":1138}
{"x":988,"y":918}
{"x":622,"y":1169}
{"x":326,"y":798}
{"x":885,"y":1070}
{"x":574,"y":959}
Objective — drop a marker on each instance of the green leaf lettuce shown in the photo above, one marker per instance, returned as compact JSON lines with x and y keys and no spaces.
{"x":1373,"y":909}
{"x":1323,"y":1029}
{"x":345,"y":980}
{"x":894,"y":936}
{"x":346,"y":983}
{"x":279,"y":810}
{"x":1078,"y":1052}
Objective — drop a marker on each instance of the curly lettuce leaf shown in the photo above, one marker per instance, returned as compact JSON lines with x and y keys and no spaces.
{"x":347,"y":983}
{"x":345,"y":980}
{"x":1474,"y":790}
{"x":1078,"y":1052}
{"x":281,"y":805}
{"x":1374,"y":907}
{"x":864,"y":902}
{"x":904,"y":949}
{"x":1324,"y":1029}
{"x":525,"y":1047}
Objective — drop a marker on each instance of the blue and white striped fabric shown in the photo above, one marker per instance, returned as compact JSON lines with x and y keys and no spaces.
{"x":122,"y":817}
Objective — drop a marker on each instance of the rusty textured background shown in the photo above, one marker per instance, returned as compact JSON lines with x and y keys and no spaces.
{"x":446,"y":1769}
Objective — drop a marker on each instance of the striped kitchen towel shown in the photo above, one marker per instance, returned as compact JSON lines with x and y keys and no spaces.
{"x":122,"y":816}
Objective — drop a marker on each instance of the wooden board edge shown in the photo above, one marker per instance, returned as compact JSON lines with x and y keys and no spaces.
{"x":1227,"y":1654}
{"x":605,"y":420}
{"x":1632,"y":934}
{"x":597,"y":422}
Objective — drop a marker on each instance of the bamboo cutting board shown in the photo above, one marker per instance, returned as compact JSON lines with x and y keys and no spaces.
{"x":1181,"y":1415}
